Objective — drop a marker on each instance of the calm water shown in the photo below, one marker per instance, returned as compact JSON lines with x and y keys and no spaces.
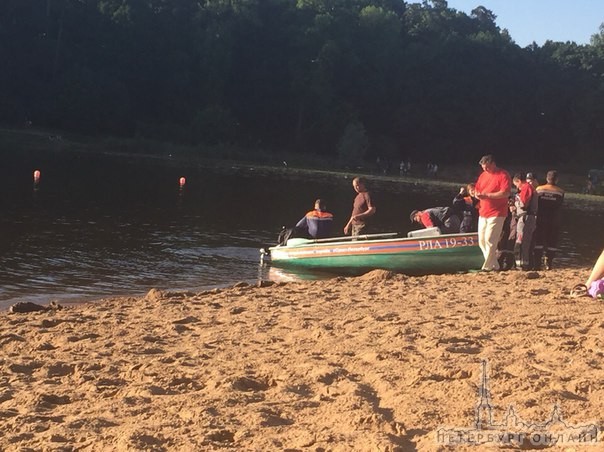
{"x":98,"y":226}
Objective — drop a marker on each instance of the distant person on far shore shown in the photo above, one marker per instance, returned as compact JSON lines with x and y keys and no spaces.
{"x":362,"y":209}
{"x":592,"y":182}
{"x":316,"y":223}
{"x":589,"y":187}
{"x":550,"y":198}
{"x":493,"y":188}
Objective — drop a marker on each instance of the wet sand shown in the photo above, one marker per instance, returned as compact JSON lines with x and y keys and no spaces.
{"x":378,"y":362}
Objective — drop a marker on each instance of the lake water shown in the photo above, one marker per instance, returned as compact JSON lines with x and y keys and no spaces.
{"x":97,"y":226}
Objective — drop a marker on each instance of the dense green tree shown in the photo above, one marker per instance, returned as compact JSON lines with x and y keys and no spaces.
{"x":420,"y":80}
{"x":353,"y":145}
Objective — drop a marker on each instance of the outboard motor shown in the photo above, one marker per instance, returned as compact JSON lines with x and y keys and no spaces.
{"x":265,"y":255}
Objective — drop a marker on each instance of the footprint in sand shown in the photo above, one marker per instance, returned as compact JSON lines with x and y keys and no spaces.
{"x":185,"y":384}
{"x":82,"y":337}
{"x":50,"y":323}
{"x":47,"y":402}
{"x":328,"y":376}
{"x":27,"y":369}
{"x":11,"y":412}
{"x":143,"y":441}
{"x":45,"y":347}
{"x":7,"y":338}
{"x":461,"y":345}
{"x":272,"y":418}
{"x":21,"y":437}
{"x":302,"y":390}
{"x":181,"y":328}
{"x":220,"y":436}
{"x":91,"y":423}
{"x":108,"y":384}
{"x":249,"y":384}
{"x":6,"y":395}
{"x":186,"y":320}
{"x":59,"y":370}
{"x":152,"y":351}
{"x":153,"y":339}
{"x":156,"y":390}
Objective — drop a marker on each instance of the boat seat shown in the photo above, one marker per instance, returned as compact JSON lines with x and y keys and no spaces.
{"x":427,"y":232}
{"x":298,"y":242}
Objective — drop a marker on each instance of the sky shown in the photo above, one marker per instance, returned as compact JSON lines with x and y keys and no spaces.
{"x":540,"y":20}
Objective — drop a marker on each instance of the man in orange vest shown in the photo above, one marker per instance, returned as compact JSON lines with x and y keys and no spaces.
{"x":316,"y":223}
{"x":548,"y":220}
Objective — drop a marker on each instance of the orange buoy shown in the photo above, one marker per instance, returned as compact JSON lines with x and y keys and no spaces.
{"x":37,"y":176}
{"x":182,"y":181}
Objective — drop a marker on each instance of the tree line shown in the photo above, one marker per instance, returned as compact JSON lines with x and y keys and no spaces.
{"x":351,"y":79}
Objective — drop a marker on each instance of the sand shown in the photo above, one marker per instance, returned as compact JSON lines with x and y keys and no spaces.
{"x":378,"y":362}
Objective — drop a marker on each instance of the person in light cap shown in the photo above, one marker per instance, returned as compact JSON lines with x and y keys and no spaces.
{"x":531,"y":179}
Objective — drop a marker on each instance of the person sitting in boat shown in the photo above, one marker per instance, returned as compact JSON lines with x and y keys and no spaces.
{"x":317,"y":223}
{"x":444,"y":218}
{"x":465,"y":206}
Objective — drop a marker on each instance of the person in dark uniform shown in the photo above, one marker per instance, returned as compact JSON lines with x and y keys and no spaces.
{"x":550,"y":201}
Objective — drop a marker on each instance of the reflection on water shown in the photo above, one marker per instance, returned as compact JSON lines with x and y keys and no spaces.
{"x":98,"y":226}
{"x":277,"y":274}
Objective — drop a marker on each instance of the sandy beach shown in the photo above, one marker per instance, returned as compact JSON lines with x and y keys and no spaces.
{"x":378,"y":362}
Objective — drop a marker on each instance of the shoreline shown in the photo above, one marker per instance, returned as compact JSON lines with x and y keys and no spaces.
{"x":377,"y":361}
{"x":167,"y":152}
{"x":578,"y":201}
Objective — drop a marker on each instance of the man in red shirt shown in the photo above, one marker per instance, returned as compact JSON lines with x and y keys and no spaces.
{"x":493,"y":188}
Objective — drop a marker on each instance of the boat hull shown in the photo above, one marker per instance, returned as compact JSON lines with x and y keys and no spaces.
{"x":413,"y":256}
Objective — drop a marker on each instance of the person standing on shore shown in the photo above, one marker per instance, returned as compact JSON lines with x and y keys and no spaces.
{"x":550,"y":198}
{"x":526,"y":215}
{"x":493,"y":188}
{"x":362,"y":208}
